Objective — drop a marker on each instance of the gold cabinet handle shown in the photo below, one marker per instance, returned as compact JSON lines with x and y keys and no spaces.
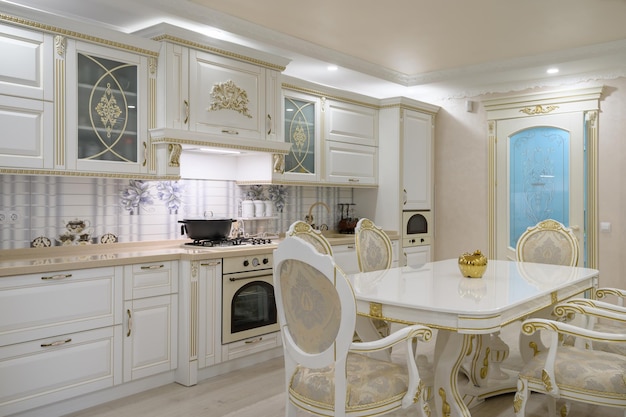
{"x":270,"y":125}
{"x":186,"y":111}
{"x":257,"y":340}
{"x":56,"y":343}
{"x":230,"y":131}
{"x":145,"y":154}
{"x":130,"y":322}
{"x":353,"y":180}
{"x":152,"y":266}
{"x":59,"y":276}
{"x":214,"y":263}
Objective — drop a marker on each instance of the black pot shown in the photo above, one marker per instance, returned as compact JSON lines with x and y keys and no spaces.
{"x":210,"y":229}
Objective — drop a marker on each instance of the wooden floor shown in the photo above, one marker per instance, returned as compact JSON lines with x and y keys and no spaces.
{"x":257,"y":391}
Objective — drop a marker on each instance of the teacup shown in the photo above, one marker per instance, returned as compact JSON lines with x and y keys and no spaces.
{"x":77,"y":226}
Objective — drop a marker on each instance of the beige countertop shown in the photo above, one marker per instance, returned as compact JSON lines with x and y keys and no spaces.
{"x":61,"y":258}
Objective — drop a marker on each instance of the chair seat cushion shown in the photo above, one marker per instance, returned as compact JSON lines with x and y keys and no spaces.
{"x":369,"y":381}
{"x":582,"y":370}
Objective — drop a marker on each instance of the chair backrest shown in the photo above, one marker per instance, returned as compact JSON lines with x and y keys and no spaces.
{"x":315,"y":305}
{"x":305,"y":232}
{"x":373,"y":246}
{"x":548,"y":242}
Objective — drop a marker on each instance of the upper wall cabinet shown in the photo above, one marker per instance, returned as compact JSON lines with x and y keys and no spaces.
{"x":214,"y":87}
{"x":106,"y":109}
{"x":351,"y":143}
{"x":334,"y":141}
{"x":302,"y":131}
{"x":26,"y":99}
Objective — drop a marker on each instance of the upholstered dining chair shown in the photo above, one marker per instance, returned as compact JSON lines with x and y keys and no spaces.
{"x":373,"y":246}
{"x":304,"y":231}
{"x":569,"y":371}
{"x":326,"y":373}
{"x":548,"y":242}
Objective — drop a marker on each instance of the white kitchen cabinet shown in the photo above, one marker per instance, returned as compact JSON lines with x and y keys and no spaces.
{"x":416,"y":255}
{"x":350,"y":123}
{"x":63,"y":331}
{"x":346,"y":258}
{"x":301,"y":113}
{"x":417,"y":160}
{"x":26,"y":99}
{"x":150,"y":319}
{"x":405,"y":175}
{"x":106,"y":116}
{"x":209,"y":312}
{"x":232,"y":92}
{"x":347,"y":163}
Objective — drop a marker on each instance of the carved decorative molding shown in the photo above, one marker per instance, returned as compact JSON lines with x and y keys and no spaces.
{"x":538,"y":109}
{"x":228,"y":96}
{"x":174,"y":154}
{"x":279,"y":163}
{"x":60,"y":44}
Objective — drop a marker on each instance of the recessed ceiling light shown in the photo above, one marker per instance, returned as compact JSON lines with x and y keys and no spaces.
{"x":332,"y":68}
{"x":552,"y":70}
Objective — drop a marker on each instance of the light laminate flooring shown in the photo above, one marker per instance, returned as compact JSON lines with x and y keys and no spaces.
{"x":257,"y":391}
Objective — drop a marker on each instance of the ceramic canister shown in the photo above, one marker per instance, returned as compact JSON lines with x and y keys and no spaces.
{"x":259,"y":208}
{"x":269,"y":208}
{"x":247,"y":208}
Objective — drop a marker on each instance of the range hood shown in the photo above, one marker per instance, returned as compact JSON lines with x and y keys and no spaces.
{"x":215,"y":157}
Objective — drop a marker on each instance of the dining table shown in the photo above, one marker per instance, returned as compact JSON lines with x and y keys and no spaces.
{"x":468,"y":315}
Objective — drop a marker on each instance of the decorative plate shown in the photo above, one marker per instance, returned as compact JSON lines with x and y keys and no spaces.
{"x":108,"y":238}
{"x":41,"y":242}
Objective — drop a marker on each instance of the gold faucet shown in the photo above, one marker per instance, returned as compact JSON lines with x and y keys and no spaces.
{"x":309,"y":217}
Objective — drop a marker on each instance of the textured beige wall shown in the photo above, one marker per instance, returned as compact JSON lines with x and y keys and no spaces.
{"x":461,"y":157}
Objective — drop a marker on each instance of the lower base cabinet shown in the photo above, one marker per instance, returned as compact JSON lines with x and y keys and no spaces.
{"x":40,"y":372}
{"x":416,"y":256}
{"x":150,"y":342}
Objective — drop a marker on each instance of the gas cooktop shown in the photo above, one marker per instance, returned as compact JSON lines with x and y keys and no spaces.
{"x":229,"y":243}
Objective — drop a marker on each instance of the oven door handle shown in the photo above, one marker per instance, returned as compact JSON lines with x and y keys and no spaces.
{"x":233,"y":279}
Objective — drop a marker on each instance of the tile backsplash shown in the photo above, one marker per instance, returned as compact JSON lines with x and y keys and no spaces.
{"x":34,"y":207}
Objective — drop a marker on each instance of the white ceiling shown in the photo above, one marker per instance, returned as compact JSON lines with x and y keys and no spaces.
{"x":416,"y":48}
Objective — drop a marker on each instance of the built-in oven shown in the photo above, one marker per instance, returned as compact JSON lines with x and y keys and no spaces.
{"x":248,"y":304}
{"x":417,"y":228}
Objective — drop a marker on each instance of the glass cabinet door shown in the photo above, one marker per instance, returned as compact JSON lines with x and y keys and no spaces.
{"x":302,"y":131}
{"x":107,"y":110}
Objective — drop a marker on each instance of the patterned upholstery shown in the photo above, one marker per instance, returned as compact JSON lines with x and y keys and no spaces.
{"x":373,"y":247}
{"x":570,"y":372}
{"x":326,"y":373}
{"x":548,"y":242}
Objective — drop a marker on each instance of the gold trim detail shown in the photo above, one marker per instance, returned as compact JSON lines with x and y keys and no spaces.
{"x":56,"y":172}
{"x":546,"y":380}
{"x":445,"y":407}
{"x":538,"y":109}
{"x":485,"y":369}
{"x":376,"y":310}
{"x":108,"y":110}
{"x":518,"y":400}
{"x":216,"y":51}
{"x":553,"y":297}
{"x":228,"y":96}
{"x":279,"y":163}
{"x":534,"y":347}
{"x":75,"y":35}
{"x":210,"y":143}
{"x":173,"y":159}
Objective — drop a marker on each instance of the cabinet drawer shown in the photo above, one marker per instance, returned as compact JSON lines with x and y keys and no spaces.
{"x":45,"y":305}
{"x":249,"y":346}
{"x":43,"y":371}
{"x":150,"y":279}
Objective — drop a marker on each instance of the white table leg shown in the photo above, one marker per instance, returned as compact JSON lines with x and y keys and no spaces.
{"x":448,"y":400}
